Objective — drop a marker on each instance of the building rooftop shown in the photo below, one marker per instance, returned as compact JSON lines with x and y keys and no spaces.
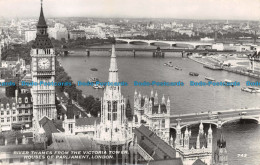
{"x":23,"y":96}
{"x":49,"y":127}
{"x":11,"y":137}
{"x":64,"y":142}
{"x":155,"y":109}
{"x":199,"y":162}
{"x":176,"y":161}
{"x":154,"y":145}
{"x":87,"y":121}
{"x":6,"y":100}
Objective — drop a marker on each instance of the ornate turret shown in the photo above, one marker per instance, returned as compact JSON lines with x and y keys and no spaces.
{"x":178,"y":134}
{"x":168,"y":106}
{"x":201,"y":131}
{"x":209,"y":137}
{"x":156,"y":98}
{"x":70,"y":113}
{"x":129,"y":113}
{"x":186,"y":139}
{"x":113,"y":71}
{"x":171,"y":141}
{"x":69,"y":119}
{"x":113,"y":127}
{"x":163,"y":100}
{"x":41,"y":21}
{"x":189,"y":133}
{"x":159,"y":109}
{"x":220,"y":155}
{"x":198,"y":142}
{"x":221,"y":143}
{"x":42,"y":41}
{"x":182,"y":137}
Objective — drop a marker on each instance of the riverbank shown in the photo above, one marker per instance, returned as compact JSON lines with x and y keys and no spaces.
{"x":236,"y":69}
{"x":89,"y":104}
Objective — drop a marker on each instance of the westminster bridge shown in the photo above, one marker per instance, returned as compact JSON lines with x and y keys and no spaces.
{"x":218,"y":118}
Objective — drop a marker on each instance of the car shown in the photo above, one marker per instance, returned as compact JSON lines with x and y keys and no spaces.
{"x":242,"y":113}
{"x":219,"y":113}
{"x":213,"y":116}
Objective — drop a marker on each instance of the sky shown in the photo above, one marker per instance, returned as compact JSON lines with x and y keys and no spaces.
{"x":177,"y":9}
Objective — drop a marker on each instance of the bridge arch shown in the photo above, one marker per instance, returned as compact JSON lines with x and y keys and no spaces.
{"x":138,"y":41}
{"x":240,"y":118}
{"x":122,"y":41}
{"x":160,"y":42}
{"x":203,"y":122}
{"x":197,"y":122}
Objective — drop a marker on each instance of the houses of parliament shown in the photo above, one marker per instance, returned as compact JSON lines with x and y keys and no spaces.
{"x":138,"y":136}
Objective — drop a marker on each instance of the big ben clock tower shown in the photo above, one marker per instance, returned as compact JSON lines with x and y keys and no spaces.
{"x":43,"y":71}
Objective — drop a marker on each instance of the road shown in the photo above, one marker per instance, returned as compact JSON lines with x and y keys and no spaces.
{"x":214,"y":116}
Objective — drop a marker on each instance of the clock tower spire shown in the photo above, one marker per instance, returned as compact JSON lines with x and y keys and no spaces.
{"x":42,"y":41}
{"x":43,"y":73}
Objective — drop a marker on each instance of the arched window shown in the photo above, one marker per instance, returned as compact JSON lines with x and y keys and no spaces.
{"x":26,"y":100}
{"x":114,"y":110}
{"x":109,"y":110}
{"x":114,"y":106}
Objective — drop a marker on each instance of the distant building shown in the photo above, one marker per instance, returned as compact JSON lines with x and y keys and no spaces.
{"x":243,"y":48}
{"x":4,"y":40}
{"x":188,"y":32}
{"x":58,"y":32}
{"x":207,"y":39}
{"x":218,"y":46}
{"x":8,"y":114}
{"x":75,"y":34}
{"x":30,"y":35}
{"x":16,"y":112}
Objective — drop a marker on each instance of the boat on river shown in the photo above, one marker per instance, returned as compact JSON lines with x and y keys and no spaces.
{"x":94,"y":69}
{"x":251,"y":89}
{"x":213,"y":67}
{"x":178,"y":68}
{"x":228,"y":82}
{"x":210,"y":78}
{"x":98,"y":86}
{"x":93,"y":79}
{"x":193,"y":74}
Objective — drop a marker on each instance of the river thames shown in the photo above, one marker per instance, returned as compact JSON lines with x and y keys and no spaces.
{"x":241,"y":138}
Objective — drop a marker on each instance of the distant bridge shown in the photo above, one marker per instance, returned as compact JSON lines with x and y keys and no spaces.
{"x":171,"y":43}
{"x":184,"y":52}
{"x":218,"y":118}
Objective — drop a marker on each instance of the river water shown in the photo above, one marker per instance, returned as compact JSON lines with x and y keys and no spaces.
{"x":241,"y":138}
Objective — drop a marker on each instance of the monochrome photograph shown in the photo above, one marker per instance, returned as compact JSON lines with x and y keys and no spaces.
{"x":129,"y":82}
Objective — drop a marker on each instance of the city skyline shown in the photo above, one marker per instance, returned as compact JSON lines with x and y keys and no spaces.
{"x":177,"y":9}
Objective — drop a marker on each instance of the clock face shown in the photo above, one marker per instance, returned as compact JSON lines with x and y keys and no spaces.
{"x":44,"y":63}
